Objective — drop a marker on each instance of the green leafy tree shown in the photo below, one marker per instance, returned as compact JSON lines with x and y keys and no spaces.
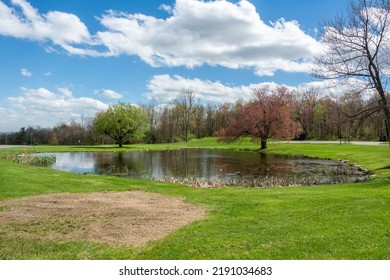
{"x":122,"y":122}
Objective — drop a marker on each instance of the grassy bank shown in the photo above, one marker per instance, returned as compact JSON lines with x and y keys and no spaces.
{"x":350,"y":221}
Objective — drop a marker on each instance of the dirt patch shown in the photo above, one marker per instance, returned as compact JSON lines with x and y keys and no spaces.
{"x":118,"y":218}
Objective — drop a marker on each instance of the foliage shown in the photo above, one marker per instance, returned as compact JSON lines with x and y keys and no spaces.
{"x":268,"y":114}
{"x":122,"y":122}
{"x":350,"y":115}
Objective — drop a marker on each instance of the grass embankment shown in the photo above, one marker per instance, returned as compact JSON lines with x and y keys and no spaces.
{"x":350,"y":221}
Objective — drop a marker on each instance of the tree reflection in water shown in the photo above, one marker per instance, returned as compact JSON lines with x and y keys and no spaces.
{"x":208,"y":165}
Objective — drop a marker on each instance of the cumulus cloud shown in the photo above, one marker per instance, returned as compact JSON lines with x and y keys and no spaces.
{"x":24,"y":72}
{"x":165,"y":88}
{"x":9,"y":120}
{"x":66,"y":92}
{"x":335,"y":88}
{"x":166,"y":8}
{"x":44,"y":107}
{"x":193,"y":34}
{"x":214,"y":33}
{"x":21,"y":20}
{"x":108,"y":93}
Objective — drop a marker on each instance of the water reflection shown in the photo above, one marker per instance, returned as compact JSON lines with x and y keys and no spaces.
{"x":202,"y":164}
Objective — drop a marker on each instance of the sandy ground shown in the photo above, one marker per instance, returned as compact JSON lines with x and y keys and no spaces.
{"x":117,"y":218}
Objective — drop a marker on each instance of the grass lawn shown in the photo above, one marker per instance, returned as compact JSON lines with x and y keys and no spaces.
{"x":350,"y":221}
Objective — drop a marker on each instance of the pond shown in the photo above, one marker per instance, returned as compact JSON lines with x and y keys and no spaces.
{"x":210,"y":168}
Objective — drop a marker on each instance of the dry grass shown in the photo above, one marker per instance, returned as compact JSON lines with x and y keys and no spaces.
{"x":117,"y":218}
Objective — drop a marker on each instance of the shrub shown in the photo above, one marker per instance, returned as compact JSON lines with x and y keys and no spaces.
{"x":37,"y":160}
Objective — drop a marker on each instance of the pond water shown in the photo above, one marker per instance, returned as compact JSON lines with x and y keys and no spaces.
{"x":209,"y":167}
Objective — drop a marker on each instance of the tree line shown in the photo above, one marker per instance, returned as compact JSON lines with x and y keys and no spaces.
{"x":271,"y":113}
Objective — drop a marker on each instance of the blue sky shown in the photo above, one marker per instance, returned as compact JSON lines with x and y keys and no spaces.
{"x":64,"y":59}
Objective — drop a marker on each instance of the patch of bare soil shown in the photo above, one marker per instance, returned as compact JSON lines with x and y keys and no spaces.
{"x":118,"y":218}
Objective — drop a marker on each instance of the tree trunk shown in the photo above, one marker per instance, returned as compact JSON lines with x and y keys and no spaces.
{"x":120,"y":143}
{"x":387,"y":122}
{"x":385,"y":105}
{"x":263,"y":144}
{"x":186,"y":132}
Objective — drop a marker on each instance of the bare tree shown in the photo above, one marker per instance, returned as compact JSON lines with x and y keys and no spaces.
{"x":305,"y":101}
{"x":210,"y":120}
{"x":187,"y":105}
{"x":357,"y":47}
{"x":153,"y":116}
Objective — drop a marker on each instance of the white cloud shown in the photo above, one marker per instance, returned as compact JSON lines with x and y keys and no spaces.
{"x":166,"y":8}
{"x":108,"y":93}
{"x":46,"y":108}
{"x":66,"y":92}
{"x":23,"y":21}
{"x":24,"y":72}
{"x":214,"y":33}
{"x":336,"y":88}
{"x":9,"y":120}
{"x":195,"y":33}
{"x":165,"y":88}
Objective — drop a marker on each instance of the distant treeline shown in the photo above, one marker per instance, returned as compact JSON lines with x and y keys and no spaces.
{"x":348,"y":116}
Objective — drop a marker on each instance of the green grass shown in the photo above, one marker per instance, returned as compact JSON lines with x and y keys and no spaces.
{"x":350,"y":221}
